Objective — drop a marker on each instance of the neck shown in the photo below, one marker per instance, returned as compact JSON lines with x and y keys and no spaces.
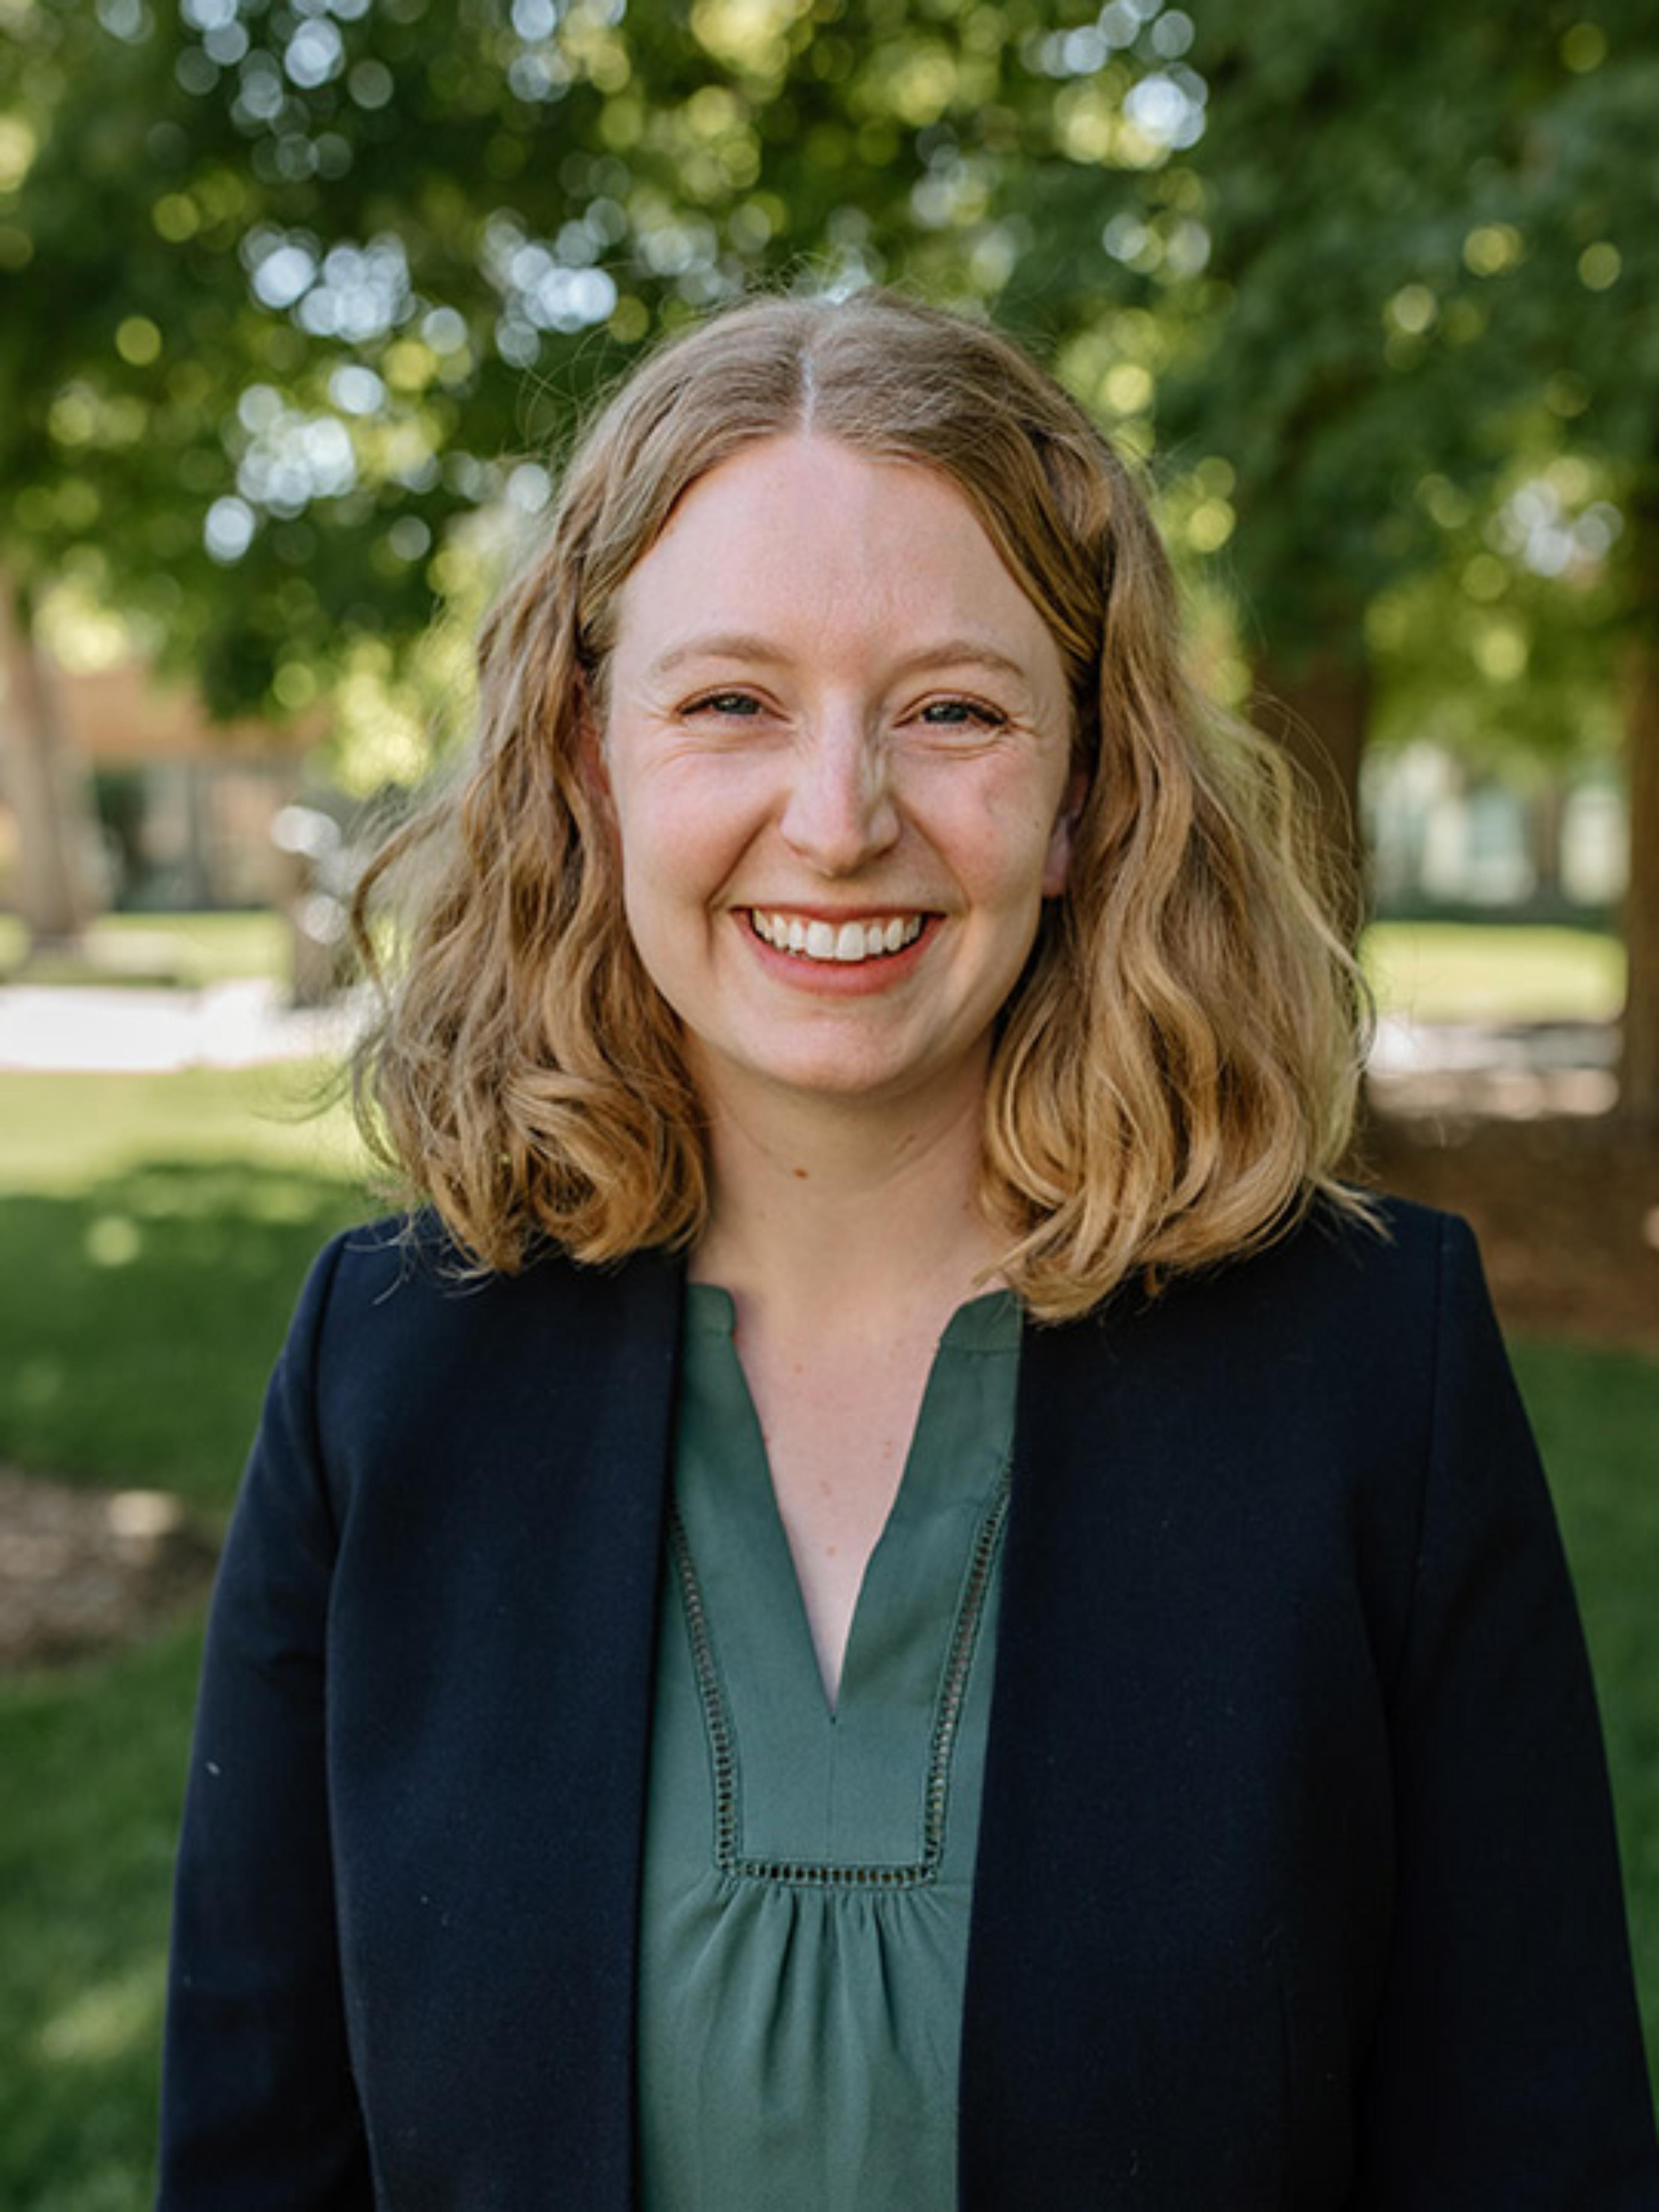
{"x":837,"y":1218}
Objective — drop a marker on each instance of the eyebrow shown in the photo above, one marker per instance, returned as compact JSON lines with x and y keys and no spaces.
{"x":738,"y":645}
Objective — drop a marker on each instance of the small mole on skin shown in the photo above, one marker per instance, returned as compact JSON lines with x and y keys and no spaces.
{"x":799,"y":1174}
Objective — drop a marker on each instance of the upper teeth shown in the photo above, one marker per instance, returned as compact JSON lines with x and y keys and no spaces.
{"x":829,"y":940}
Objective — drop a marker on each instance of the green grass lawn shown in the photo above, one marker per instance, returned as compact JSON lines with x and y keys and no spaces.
{"x":1596,"y":1415}
{"x":155,"y":1230}
{"x":189,"y":950}
{"x":94,"y":1759}
{"x":1456,"y":971}
{"x":67,"y":1133}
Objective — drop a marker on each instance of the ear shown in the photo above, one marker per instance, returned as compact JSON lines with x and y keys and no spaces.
{"x":1057,"y":864}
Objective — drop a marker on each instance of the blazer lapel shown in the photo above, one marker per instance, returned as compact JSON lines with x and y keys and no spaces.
{"x":1106,"y":2024}
{"x":491,"y":1839}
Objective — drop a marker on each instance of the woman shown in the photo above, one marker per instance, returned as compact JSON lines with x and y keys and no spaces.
{"x":895,"y":1595}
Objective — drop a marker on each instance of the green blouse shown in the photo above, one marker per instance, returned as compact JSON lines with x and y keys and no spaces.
{"x":808,"y":1874}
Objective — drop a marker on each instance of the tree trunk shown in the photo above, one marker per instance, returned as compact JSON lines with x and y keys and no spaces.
{"x":1546,"y":814}
{"x":1639,"y":1073}
{"x":52,"y":897}
{"x":1320,"y":715}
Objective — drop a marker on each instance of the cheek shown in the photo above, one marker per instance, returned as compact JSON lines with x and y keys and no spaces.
{"x":1015,"y":852}
{"x":674,"y":856}
{"x":633,"y":811}
{"x":658,"y":944}
{"x":686,"y":824}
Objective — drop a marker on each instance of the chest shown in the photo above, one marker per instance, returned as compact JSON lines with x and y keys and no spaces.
{"x":836,"y":1459}
{"x":836,"y":1435}
{"x":1182,"y":1887}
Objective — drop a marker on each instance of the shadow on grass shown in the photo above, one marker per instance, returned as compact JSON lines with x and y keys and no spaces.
{"x":1596,"y":1415}
{"x":94,"y":1766}
{"x":140,"y":1316}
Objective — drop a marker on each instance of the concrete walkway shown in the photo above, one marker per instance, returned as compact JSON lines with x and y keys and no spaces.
{"x":89,"y":1029}
{"x":1517,"y":1070}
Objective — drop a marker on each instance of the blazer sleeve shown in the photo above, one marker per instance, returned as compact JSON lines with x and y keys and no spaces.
{"x":258,"y":2108}
{"x":1507,"y":2070}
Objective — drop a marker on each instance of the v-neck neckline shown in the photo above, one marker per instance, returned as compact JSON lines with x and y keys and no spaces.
{"x":988,"y":1323}
{"x":857,"y":1795}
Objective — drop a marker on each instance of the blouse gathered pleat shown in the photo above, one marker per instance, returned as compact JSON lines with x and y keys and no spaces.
{"x":809,"y":1873}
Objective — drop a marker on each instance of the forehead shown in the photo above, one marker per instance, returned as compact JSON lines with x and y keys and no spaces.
{"x":805,"y":536}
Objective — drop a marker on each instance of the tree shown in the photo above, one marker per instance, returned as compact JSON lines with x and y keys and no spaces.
{"x":1585,"y":324}
{"x":291,"y":291}
{"x":1428,"y":250}
{"x":1332,"y":175}
{"x":49,"y":812}
{"x":297,"y":297}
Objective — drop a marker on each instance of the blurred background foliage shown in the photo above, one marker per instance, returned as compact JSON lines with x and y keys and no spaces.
{"x":289,"y":286}
{"x":302,"y":298}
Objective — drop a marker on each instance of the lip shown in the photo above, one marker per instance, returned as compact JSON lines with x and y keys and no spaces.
{"x":833,"y":978}
{"x":808,"y":911}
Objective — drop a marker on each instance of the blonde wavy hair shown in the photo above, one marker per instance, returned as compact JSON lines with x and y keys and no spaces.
{"x":1174,"y":1078}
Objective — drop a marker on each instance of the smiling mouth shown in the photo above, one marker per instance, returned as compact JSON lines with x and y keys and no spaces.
{"x":846,"y":942}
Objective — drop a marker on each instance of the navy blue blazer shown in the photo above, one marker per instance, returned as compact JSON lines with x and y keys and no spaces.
{"x":1297,"y":1884}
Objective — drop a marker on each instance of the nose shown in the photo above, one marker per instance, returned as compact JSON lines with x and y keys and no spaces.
{"x":840,"y":813}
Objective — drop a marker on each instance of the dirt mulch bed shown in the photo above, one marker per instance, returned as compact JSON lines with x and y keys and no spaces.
{"x":1566,"y":1207}
{"x":81,"y":1569}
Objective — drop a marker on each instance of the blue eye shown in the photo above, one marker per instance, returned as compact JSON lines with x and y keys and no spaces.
{"x":959,"y":714}
{"x":725,"y":703}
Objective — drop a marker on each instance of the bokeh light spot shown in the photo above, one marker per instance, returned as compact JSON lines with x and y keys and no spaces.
{"x":113,"y":1240}
{"x":138,"y":340}
{"x":1600,"y":265}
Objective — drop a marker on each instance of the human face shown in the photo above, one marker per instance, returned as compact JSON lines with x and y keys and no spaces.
{"x":836,"y":751}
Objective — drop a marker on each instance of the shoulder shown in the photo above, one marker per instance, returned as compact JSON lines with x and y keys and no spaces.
{"x":1317,"y":1409}
{"x":405,"y":1280}
{"x":1333,"y":1285}
{"x":1338,"y":1346}
{"x":401,"y":1343}
{"x":1399,"y":1253}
